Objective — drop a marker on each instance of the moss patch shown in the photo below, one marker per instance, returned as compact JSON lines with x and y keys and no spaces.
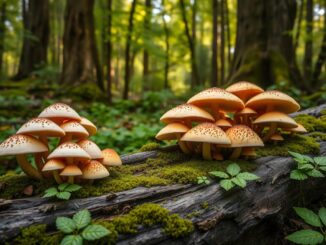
{"x":319,"y":136}
{"x":150,"y":147}
{"x":311,"y":123}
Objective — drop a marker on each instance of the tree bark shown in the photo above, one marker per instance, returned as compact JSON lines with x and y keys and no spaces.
{"x":264,"y":51}
{"x":222,"y":54}
{"x":80,"y":57}
{"x":109,"y":53}
{"x":36,"y":37}
{"x":299,"y":22}
{"x":147,"y":21}
{"x":214,"y":78}
{"x":127,"y":51}
{"x":308,"y":52}
{"x":3,"y":17}
{"x":167,"y":48}
{"x":228,"y":35}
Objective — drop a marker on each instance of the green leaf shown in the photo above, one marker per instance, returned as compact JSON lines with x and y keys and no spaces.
{"x":233,"y":169}
{"x":82,"y":218}
{"x":94,"y":232}
{"x":239,"y":182}
{"x":63,"y":186}
{"x":247,"y":176}
{"x":301,"y":157}
{"x":320,"y":160}
{"x":315,"y":173}
{"x":322,"y":215}
{"x":207,"y":182}
{"x":200,"y":181}
{"x":72,"y":188}
{"x":322,"y":168}
{"x":308,"y":216}
{"x":298,"y":175}
{"x":219,"y":174}
{"x":306,"y":237}
{"x":226,"y":184}
{"x":65,"y":225}
{"x":72,"y":240}
{"x":306,"y":166}
{"x":64,"y":195}
{"x":50,"y":192}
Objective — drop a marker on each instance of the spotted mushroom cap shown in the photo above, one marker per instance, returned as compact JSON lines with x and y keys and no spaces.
{"x":88,"y":125}
{"x":111,"y":158}
{"x":53,"y":164}
{"x":206,"y":133}
{"x":91,"y":148}
{"x":75,"y":129}
{"x":41,"y":127}
{"x":244,"y":90}
{"x":69,"y":149}
{"x":94,"y":170}
{"x":71,"y":170}
{"x":186,"y":111}
{"x":223,"y":124}
{"x":21,"y":144}
{"x":243,"y":136}
{"x":275,"y":100}
{"x":172,"y":131}
{"x":222,"y":99}
{"x":282,"y":120}
{"x":299,"y":129}
{"x":59,"y":112}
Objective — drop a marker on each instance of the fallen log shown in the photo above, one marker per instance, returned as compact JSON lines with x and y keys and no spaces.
{"x":252,"y":215}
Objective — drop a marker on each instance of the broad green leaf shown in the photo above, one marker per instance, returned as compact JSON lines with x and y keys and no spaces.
{"x":233,"y":169}
{"x":220,"y":174}
{"x":94,"y":232}
{"x":320,"y":160}
{"x":50,"y":192}
{"x":322,"y":168}
{"x":239,"y":182}
{"x":72,"y":240}
{"x":82,"y":218}
{"x":63,"y":186}
{"x":200,"y":181}
{"x":65,"y":225}
{"x":315,"y":173}
{"x":306,"y":166}
{"x":298,"y":175}
{"x":72,"y":188}
{"x":308,"y":216}
{"x":64,"y":195}
{"x":306,"y":237}
{"x":247,"y":176}
{"x":226,"y":184}
{"x":322,"y":215}
{"x":296,"y":155}
{"x":207,"y":182}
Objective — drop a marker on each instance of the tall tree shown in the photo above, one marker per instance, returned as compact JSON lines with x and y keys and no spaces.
{"x":127,"y":50}
{"x":36,"y":37}
{"x":228,"y":35}
{"x":308,"y":52}
{"x":222,"y":47}
{"x":191,"y":43}
{"x":167,"y":47}
{"x":3,"y":17}
{"x":263,"y":52}
{"x":298,"y":26}
{"x":109,"y":52}
{"x":147,"y":21}
{"x":214,"y":78}
{"x":80,"y":57}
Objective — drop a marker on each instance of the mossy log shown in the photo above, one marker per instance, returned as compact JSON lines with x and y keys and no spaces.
{"x":254,"y":215}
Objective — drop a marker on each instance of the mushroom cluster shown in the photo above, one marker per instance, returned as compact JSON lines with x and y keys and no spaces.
{"x":241,"y":117}
{"x":76,"y":158}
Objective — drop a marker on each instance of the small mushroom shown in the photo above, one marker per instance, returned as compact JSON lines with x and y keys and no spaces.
{"x":54,"y":165}
{"x":69,"y":151}
{"x":73,"y":130}
{"x":300,"y":129}
{"x":244,"y":90}
{"x":88,"y":125}
{"x":248,"y":152}
{"x":245,"y":116}
{"x":71,"y":171}
{"x":174,"y":131}
{"x":20,"y":145}
{"x":111,"y":158}
{"x":207,"y":134}
{"x":60,"y":112}
{"x":91,"y":148}
{"x":276,"y":137}
{"x":223,"y":124}
{"x":94,"y":170}
{"x":242,"y":136}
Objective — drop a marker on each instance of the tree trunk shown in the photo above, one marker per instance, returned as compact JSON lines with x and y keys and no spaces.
{"x":214,"y":78}
{"x":146,"y":36}
{"x":3,"y":17}
{"x":36,"y":37}
{"x":308,"y":52}
{"x":109,"y":53}
{"x":298,"y":27}
{"x":228,"y":35}
{"x":80,"y":57}
{"x":222,"y":54}
{"x":264,"y":52}
{"x":167,"y":48}
{"x":127,"y":51}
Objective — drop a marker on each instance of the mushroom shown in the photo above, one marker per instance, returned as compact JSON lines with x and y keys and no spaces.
{"x":94,"y":170}
{"x":186,"y":114}
{"x":242,"y":136}
{"x":248,"y":152}
{"x":245,"y":115}
{"x":91,"y":148}
{"x":88,"y":125}
{"x":174,"y":131}
{"x":273,"y":101}
{"x":274,"y":120}
{"x":206,"y":133}
{"x":20,"y":145}
{"x":223,"y":124}
{"x":244,"y":90}
{"x":111,"y":158}
{"x":71,"y":171}
{"x":60,"y":112}
{"x":69,"y":151}
{"x":54,"y":165}
{"x":300,"y":129}
{"x":276,"y":137}
{"x":73,"y":130}
{"x":217,"y":99}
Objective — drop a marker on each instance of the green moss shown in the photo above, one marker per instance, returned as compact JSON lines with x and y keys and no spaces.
{"x":298,"y":143}
{"x":323,"y":112}
{"x":319,"y":136}
{"x":149,"y":214}
{"x":204,"y":205}
{"x":150,"y":146}
{"x":176,"y":226}
{"x":312,"y":123}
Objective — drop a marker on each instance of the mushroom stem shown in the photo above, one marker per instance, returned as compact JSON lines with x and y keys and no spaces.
{"x":57,"y":177}
{"x":215,"y":111}
{"x":207,"y":151}
{"x":27,"y":168}
{"x":71,"y":179}
{"x":39,"y":162}
{"x":183,"y":147}
{"x":236,"y":153}
{"x":188,"y":123}
{"x":271,"y":131}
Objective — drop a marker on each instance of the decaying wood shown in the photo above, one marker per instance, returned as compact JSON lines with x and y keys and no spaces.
{"x":242,"y":216}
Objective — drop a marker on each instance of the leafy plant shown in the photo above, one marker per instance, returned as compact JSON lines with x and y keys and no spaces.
{"x":79,"y":228}
{"x":233,"y":177}
{"x":63,"y":191}
{"x":307,"y":166}
{"x":310,"y":236}
{"x":203,"y":180}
